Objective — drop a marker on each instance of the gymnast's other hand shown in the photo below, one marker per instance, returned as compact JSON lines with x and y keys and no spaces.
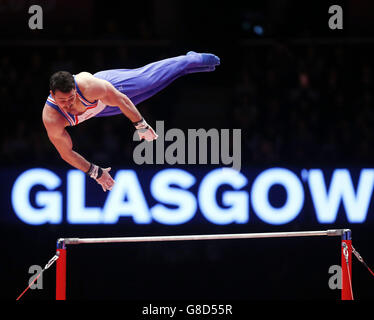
{"x":145,"y":131}
{"x":105,"y":180}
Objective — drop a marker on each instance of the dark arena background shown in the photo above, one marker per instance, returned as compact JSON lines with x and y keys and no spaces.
{"x":297,"y":86}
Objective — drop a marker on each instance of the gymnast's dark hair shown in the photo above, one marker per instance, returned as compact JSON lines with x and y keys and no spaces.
{"x":62,"y":81}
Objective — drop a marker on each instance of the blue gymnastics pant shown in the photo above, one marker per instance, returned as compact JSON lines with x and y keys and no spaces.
{"x":142,"y":83}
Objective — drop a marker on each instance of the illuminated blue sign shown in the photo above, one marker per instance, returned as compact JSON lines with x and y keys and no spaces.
{"x":326,"y":202}
{"x":260,"y":196}
{"x":175,"y":196}
{"x":50,"y":201}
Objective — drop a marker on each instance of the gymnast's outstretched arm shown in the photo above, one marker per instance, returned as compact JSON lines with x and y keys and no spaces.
{"x":55,"y":125}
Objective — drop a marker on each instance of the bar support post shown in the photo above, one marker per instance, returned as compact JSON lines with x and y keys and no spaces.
{"x":346,"y":261}
{"x":61,"y":271}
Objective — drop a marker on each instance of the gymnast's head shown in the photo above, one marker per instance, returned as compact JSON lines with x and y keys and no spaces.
{"x":62,"y":89}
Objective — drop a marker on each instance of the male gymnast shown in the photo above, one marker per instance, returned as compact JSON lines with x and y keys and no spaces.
{"x":76,"y":98}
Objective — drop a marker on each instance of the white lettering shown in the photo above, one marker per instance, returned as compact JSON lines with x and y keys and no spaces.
{"x":49,"y":202}
{"x":260,"y":196}
{"x":127,"y":187}
{"x":76,"y":195}
{"x":219,"y":198}
{"x":327,"y":203}
{"x":184,"y":200}
{"x":237,"y":201}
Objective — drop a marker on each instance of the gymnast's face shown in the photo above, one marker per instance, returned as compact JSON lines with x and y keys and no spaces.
{"x":65,"y":101}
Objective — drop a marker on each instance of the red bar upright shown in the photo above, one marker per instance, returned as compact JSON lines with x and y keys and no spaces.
{"x":61,"y":275}
{"x":346,"y":253}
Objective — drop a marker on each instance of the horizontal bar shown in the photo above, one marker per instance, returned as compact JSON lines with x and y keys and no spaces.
{"x":335,"y":232}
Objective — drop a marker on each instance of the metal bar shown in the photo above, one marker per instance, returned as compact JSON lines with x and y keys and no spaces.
{"x":335,"y":232}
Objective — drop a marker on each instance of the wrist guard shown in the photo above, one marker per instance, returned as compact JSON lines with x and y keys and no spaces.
{"x":141,"y":124}
{"x":94,"y":171}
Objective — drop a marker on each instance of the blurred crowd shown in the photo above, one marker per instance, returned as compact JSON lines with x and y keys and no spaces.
{"x":305,"y":104}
